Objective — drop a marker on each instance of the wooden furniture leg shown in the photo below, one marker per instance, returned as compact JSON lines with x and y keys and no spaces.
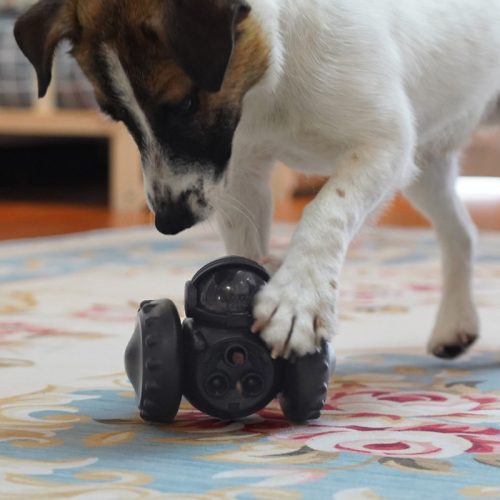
{"x":125,"y":174}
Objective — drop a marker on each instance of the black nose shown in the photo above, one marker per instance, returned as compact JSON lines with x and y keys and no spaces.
{"x":172,"y":219}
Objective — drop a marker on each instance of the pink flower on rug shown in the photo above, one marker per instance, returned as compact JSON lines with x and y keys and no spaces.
{"x":431,"y":440}
{"x":7,"y":328}
{"x":416,"y":404}
{"x":107,"y":313}
{"x":483,"y":440}
{"x":392,"y":443}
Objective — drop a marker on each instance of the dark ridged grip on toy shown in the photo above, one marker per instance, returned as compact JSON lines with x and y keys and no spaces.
{"x":154,"y":359}
{"x":305,"y":385}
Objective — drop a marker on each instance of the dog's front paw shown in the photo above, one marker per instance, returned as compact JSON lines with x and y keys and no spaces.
{"x":295,"y":311}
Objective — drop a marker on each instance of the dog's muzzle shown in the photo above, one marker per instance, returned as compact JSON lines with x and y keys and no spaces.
{"x":174,"y":218}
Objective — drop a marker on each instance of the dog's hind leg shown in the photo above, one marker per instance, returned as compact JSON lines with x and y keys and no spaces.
{"x":244,"y":207}
{"x":433,"y":193}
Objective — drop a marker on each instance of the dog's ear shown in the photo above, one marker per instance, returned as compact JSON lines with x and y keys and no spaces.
{"x":202,"y":34}
{"x":39,"y":31}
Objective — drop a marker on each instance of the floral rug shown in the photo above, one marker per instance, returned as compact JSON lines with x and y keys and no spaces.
{"x":397,"y":424}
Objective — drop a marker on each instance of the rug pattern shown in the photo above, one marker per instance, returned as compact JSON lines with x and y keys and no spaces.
{"x":397,"y":424}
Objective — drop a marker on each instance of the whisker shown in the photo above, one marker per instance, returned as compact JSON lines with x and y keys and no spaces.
{"x":255,"y":233}
{"x":246,"y":215}
{"x":241,"y":205}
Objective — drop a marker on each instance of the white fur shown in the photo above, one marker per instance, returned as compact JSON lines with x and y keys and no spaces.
{"x":379,"y":95}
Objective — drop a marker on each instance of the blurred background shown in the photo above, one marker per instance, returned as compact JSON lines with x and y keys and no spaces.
{"x":65,"y":168}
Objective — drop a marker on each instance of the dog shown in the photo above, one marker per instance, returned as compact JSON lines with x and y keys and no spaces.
{"x":377,"y":95}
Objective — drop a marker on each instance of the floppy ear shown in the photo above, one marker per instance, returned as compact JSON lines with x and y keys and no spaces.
{"x":202,"y":34}
{"x":38,"y":32}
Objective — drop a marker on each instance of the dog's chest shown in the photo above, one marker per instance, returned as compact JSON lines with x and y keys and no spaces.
{"x":305,"y":153}
{"x":293,"y":140}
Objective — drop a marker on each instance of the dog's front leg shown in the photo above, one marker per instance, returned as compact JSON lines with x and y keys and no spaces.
{"x":244,"y":208}
{"x":296,"y":311}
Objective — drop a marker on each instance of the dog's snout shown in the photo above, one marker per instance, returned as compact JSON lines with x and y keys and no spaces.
{"x":174,"y":218}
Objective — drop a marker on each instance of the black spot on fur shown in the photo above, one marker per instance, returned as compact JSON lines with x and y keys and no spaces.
{"x":188,"y":142}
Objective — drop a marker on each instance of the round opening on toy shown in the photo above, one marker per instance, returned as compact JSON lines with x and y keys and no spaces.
{"x":229,"y":291}
{"x":252,"y":384}
{"x":236,"y":355}
{"x":217,"y":385}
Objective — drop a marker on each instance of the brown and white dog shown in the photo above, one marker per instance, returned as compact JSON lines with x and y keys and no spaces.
{"x":379,"y":95}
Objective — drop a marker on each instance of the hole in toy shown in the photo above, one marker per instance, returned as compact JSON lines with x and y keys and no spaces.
{"x":236,"y":355}
{"x":217,"y":385}
{"x":252,"y":384}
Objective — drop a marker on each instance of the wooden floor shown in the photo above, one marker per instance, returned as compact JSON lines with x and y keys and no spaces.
{"x":485,"y":213}
{"x":31,"y":219}
{"x":20,"y":219}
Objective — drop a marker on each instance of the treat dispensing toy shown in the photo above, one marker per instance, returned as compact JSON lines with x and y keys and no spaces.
{"x":213,"y":359}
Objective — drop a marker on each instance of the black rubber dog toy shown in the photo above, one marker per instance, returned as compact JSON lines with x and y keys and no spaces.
{"x":213,"y":359}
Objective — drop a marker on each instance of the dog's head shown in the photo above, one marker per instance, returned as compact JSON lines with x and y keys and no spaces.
{"x":174,"y":71}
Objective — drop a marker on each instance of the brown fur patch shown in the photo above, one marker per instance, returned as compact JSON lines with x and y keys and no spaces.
{"x":248,"y":64}
{"x":134,"y":30}
{"x":341,"y":193}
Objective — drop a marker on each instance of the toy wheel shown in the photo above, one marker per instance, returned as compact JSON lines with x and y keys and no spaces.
{"x":305,"y":385}
{"x":153,"y":361}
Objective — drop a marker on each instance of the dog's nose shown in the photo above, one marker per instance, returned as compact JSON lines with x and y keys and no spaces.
{"x":172,"y":219}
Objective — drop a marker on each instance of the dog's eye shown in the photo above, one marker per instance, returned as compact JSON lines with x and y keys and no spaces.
{"x":180,"y":110}
{"x":188,"y":105}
